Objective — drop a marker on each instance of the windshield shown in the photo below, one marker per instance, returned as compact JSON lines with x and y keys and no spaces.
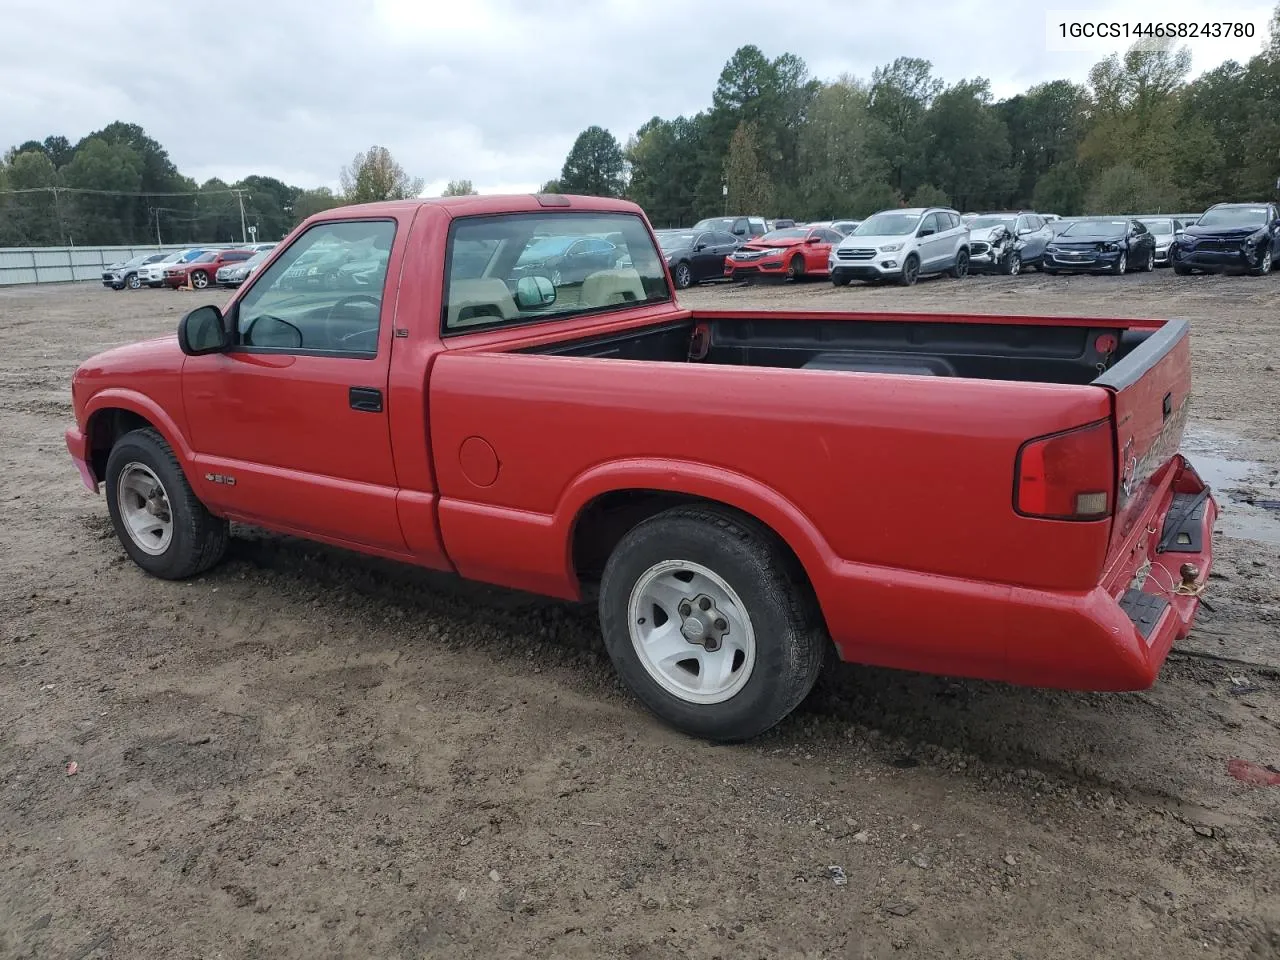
{"x":257,"y":258}
{"x":715,"y":223}
{"x":190,"y":255}
{"x":674,"y":241}
{"x":1161,"y":228}
{"x":1234,"y":217}
{"x":887,"y":225}
{"x":206,"y":257}
{"x":527,"y":277}
{"x":1092,"y":229}
{"x":981,"y":223}
{"x":792,"y":233}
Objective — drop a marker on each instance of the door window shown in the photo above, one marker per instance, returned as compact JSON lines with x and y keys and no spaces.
{"x":930,"y":223}
{"x":323,"y":295}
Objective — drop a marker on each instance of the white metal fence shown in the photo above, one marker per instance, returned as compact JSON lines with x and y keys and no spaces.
{"x":64,"y":264}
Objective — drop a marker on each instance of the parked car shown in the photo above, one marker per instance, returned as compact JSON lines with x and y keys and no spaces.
{"x":739,"y":226}
{"x":903,"y":245}
{"x":566,"y":259}
{"x":201,"y":271}
{"x":793,"y":252}
{"x":537,"y":437}
{"x":693,"y":256}
{"x":237,"y":272}
{"x":1101,"y":245}
{"x":152,"y":274}
{"x":1230,"y":237}
{"x":1007,"y":242}
{"x":1164,"y":230}
{"x":124,"y":273}
{"x":1061,"y":224}
{"x":842,"y":227}
{"x":784,"y":223}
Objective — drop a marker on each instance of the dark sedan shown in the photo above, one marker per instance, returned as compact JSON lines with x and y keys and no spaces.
{"x":694,"y":256}
{"x":566,"y":260}
{"x":1101,"y":245}
{"x":1230,"y":236}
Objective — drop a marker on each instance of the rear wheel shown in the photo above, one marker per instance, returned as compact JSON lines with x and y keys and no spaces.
{"x":683,"y":276}
{"x":910,"y":270}
{"x":795,"y":269}
{"x":710,"y":623}
{"x":161,"y":523}
{"x":961,"y":268}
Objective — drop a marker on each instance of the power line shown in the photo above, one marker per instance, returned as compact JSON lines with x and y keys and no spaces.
{"x":126,"y":193}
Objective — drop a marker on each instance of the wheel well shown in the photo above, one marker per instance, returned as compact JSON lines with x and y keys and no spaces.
{"x":604,"y":521}
{"x":105,"y":428}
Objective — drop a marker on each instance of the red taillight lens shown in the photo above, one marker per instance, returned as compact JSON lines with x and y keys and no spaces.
{"x":1067,"y":476}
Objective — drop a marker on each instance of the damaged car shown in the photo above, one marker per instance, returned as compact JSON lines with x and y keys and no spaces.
{"x":1007,"y":242}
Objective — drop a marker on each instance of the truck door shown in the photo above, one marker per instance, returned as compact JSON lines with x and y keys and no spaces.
{"x":290,"y":426}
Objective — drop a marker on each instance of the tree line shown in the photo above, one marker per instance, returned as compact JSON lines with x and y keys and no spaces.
{"x":1138,"y":136}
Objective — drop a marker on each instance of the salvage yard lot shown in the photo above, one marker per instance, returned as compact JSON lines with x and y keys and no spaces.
{"x":310,"y":754}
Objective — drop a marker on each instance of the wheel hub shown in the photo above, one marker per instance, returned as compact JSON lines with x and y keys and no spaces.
{"x":702,"y":623}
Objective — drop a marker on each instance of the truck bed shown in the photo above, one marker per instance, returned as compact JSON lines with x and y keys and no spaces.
{"x":989,"y":348}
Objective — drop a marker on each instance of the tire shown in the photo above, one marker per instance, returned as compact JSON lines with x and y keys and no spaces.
{"x":961,"y":268}
{"x":1181,"y":270}
{"x":840,"y":281}
{"x":133,"y":282}
{"x":1122,"y":265}
{"x":795,"y":269}
{"x":763,"y":593}
{"x":196,"y":539}
{"x":155,"y":284}
{"x":910,"y":270}
{"x":199,"y":279}
{"x":1262,"y":269}
{"x":683,"y":276}
{"x":556,"y":278}
{"x":1012,"y":265}
{"x":1050,"y":271}
{"x":117,"y":286}
{"x":1150,"y":265}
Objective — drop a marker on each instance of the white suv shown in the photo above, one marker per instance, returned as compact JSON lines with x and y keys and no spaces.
{"x":902,"y":245}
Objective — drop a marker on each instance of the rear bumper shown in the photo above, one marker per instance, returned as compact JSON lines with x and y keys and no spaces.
{"x":78,"y":447}
{"x":1084,"y":640}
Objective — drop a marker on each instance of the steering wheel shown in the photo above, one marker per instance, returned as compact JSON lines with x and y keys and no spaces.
{"x":343,"y":301}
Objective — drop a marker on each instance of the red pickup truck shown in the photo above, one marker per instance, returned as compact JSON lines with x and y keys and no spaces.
{"x":989,"y":496}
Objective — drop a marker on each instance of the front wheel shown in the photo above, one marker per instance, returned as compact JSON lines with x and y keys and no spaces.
{"x":795,"y":269}
{"x":1121,"y":265}
{"x":1181,"y":270}
{"x":134,"y":282}
{"x":910,"y":271}
{"x":709,"y":622}
{"x":199,"y":279}
{"x":1013,"y":265}
{"x":961,"y":268}
{"x":839,"y":280}
{"x":163,"y":526}
{"x":1150,"y":265}
{"x":1263,"y":268}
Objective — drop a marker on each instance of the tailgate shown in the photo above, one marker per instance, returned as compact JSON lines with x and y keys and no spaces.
{"x":1150,"y":388}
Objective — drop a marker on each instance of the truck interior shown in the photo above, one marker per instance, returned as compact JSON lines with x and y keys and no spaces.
{"x":1036,"y":353}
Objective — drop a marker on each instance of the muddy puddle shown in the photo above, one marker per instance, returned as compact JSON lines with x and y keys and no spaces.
{"x":1247,"y":491}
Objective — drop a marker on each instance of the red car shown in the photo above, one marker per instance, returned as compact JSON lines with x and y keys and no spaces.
{"x":203,"y":268}
{"x":739,"y":492}
{"x":794,"y":252}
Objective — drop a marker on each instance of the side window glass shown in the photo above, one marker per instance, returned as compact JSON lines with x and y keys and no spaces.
{"x":930,"y":223}
{"x":323,"y":294}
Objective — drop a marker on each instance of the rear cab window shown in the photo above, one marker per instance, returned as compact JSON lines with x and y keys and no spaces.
{"x":532,"y":267}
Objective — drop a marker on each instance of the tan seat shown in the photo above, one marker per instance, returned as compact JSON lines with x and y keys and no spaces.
{"x":604,"y":288}
{"x":479,"y":300}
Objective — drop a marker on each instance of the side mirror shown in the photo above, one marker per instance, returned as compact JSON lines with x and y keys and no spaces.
{"x":203,"y":331}
{"x":813,"y":240}
{"x":1025,"y":232}
{"x":699,"y":248}
{"x":532,"y":293}
{"x":926,"y":232}
{"x":740,"y":232}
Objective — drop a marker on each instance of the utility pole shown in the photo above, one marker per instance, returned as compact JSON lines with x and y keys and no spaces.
{"x":57,"y":209}
{"x":244,"y":237}
{"x":159,"y":242}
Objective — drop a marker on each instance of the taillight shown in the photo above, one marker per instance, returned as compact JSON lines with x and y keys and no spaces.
{"x":1068,"y":475}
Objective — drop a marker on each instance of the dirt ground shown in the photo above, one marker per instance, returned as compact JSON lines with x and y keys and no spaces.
{"x":308,"y":754}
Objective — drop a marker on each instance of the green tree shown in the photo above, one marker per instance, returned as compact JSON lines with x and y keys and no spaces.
{"x":459,"y":188}
{"x":837,"y":171}
{"x":595,"y":165}
{"x":374,"y":175}
{"x":102,"y":166}
{"x":310,"y":202}
{"x":665,"y":158}
{"x":268,"y":205}
{"x":1045,"y":126}
{"x":551,"y":186}
{"x":1124,"y":189}
{"x":927,"y":195}
{"x":34,"y":218}
{"x":1059,"y":190}
{"x":750,"y":191}
{"x":901,"y":94}
{"x":967,"y":146}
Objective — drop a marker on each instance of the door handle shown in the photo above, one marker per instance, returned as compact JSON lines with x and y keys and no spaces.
{"x":365,"y":399}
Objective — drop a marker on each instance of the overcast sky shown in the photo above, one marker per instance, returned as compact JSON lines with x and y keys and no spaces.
{"x":489,"y":90}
